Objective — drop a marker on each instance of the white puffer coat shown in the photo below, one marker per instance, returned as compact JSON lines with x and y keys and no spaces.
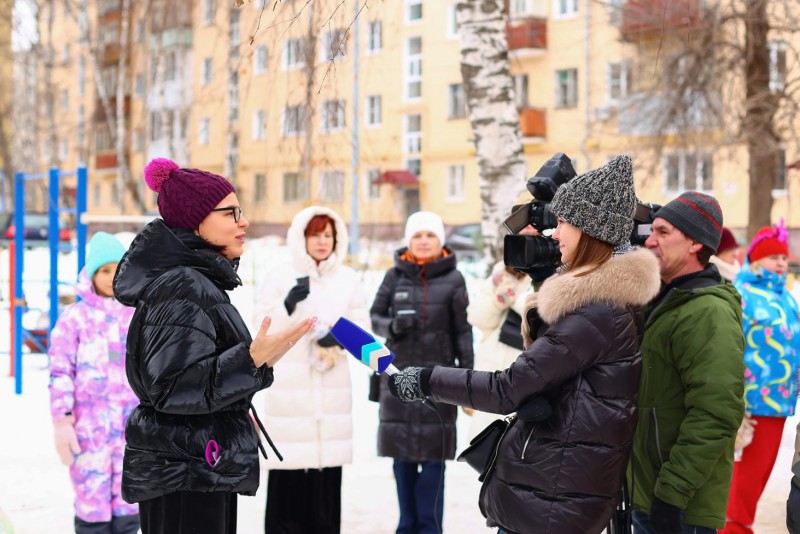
{"x":487,"y":312}
{"x":308,"y":412}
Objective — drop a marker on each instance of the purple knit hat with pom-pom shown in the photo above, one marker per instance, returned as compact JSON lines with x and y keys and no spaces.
{"x":185,"y":196}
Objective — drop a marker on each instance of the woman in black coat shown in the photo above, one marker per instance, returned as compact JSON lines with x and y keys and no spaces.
{"x":191,"y":444}
{"x":421,"y":309}
{"x":564,"y":474}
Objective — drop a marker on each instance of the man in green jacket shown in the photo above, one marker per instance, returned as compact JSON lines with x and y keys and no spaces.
{"x":690,"y":395}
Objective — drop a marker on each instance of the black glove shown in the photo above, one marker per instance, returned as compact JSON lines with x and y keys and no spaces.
{"x":328,"y":341}
{"x":665,"y":518}
{"x":401,"y":324}
{"x":411,"y":384}
{"x":296,"y":294}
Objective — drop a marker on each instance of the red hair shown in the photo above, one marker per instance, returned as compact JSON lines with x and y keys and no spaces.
{"x":318,"y":223}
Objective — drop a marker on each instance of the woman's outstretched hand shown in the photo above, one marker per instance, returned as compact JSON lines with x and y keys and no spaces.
{"x":269,"y":348}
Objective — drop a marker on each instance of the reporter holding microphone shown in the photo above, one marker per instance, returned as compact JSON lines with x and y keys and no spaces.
{"x":582,"y":328}
{"x":421,"y":310}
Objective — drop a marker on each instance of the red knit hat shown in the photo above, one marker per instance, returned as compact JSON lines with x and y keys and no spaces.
{"x":185,"y":196}
{"x":727,"y":242}
{"x":768,"y":241}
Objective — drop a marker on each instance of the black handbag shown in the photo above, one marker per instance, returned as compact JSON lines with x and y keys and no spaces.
{"x":482,"y":451}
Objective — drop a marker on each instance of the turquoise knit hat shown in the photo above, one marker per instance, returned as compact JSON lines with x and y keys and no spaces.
{"x":103,"y":248}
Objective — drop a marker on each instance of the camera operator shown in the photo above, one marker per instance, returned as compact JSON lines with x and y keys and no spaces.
{"x":563,"y":474}
{"x":690,"y":396}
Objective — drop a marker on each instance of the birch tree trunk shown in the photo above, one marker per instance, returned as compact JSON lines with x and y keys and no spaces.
{"x":122,"y":85}
{"x":492,"y":113}
{"x":49,"y":93}
{"x":160,"y":82}
{"x":307,"y":118}
{"x":105,"y":100}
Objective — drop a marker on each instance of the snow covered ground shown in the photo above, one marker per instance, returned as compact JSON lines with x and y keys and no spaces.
{"x":36,"y":496}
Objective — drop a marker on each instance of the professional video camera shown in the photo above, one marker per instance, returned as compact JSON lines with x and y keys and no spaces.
{"x":539,"y":255}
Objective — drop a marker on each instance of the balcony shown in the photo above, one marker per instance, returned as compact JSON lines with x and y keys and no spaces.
{"x":100,"y":112}
{"x":532,"y":122}
{"x":173,"y":19}
{"x":645,"y":19}
{"x":111,"y":54}
{"x":527,"y":35}
{"x":105,"y":160}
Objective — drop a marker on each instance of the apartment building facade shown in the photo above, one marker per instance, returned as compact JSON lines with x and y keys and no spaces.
{"x":267,"y":97}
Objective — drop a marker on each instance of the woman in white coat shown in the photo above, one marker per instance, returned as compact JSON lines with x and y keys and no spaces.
{"x":309,"y":404}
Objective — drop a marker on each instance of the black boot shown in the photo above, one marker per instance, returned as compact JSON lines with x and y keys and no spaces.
{"x":98,"y":527}
{"x":125,"y":524}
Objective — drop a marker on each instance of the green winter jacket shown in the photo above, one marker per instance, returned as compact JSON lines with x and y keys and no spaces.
{"x":690,"y":403}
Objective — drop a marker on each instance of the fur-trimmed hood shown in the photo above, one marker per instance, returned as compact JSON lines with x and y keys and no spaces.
{"x":628,"y":279}
{"x":296,"y":241}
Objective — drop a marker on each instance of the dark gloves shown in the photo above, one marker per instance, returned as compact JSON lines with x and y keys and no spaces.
{"x":328,"y":341}
{"x":665,"y":518}
{"x":296,"y":294}
{"x":534,"y":410}
{"x":401,"y":324}
{"x":411,"y":384}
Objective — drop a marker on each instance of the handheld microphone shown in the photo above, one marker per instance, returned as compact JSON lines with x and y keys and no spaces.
{"x":363,"y":346}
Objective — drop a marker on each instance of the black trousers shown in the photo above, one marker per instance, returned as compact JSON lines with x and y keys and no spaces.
{"x":189,"y":512}
{"x":304,"y":501}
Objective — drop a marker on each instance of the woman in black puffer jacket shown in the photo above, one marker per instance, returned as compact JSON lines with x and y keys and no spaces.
{"x":421,"y":308}
{"x":191,"y":445}
{"x":563,"y":475}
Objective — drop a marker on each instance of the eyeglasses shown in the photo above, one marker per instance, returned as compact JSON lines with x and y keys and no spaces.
{"x":236,"y":210}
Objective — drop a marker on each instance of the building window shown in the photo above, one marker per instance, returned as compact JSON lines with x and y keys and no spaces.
{"x":81,"y":134}
{"x":777,"y":65}
{"x":373,"y":190}
{"x":618,"y":80}
{"x":138,"y":90}
{"x":413,"y":70}
{"x":567,"y":88}
{"x":565,"y":8}
{"x":688,"y":171}
{"x":208,"y":70}
{"x":155,"y":126}
{"x":521,"y":91}
{"x":260,"y":125}
{"x":614,"y":11}
{"x":138,"y":140}
{"x":115,"y":192}
{"x":414,"y":166}
{"x":235,"y":33}
{"x":97,"y":195}
{"x":260,"y":188}
{"x":204,"y":133}
{"x":413,"y":10}
{"x":65,"y":100}
{"x":63,"y":149}
{"x":294,"y":120}
{"x":295,"y":188}
{"x":780,"y":172}
{"x":456,"y":101}
{"x":65,"y":53}
{"x":82,"y":76}
{"x":208,"y":12}
{"x":334,"y":44}
{"x":332,"y":115}
{"x":138,"y":32}
{"x":331,"y":186}
{"x":374,"y":112}
{"x":293,"y":54}
{"x":260,"y":60}
{"x":455,"y":183}
{"x":374,"y":36}
{"x":413,"y":137}
{"x":452,"y":22}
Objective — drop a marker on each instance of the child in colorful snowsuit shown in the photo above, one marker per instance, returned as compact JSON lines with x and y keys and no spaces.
{"x":90,"y":398}
{"x":771,"y":324}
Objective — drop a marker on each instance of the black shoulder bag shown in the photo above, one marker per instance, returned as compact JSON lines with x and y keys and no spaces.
{"x":482,"y":451}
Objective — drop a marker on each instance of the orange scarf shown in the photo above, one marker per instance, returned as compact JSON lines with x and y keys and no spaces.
{"x":407,"y":256}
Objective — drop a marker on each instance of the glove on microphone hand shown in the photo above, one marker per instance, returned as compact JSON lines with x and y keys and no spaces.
{"x":66,"y":440}
{"x":411,"y":384}
{"x":665,"y":518}
{"x":296,"y":294}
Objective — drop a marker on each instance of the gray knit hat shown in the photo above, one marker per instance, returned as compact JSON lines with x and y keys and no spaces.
{"x":600,"y":202}
{"x":696,"y":215}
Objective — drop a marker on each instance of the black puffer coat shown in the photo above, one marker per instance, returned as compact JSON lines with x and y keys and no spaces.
{"x":563,"y":476}
{"x":441,"y":336}
{"x":188,"y":362}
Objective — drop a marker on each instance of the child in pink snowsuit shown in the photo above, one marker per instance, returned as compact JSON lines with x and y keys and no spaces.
{"x":90,"y":398}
